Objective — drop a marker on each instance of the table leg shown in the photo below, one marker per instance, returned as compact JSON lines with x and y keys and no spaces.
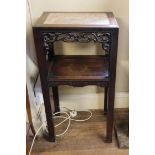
{"x":110,"y":114}
{"x":56,"y":98}
{"x":48,"y":111}
{"x":105,"y":100}
{"x":111,"y":88}
{"x":42,"y":64}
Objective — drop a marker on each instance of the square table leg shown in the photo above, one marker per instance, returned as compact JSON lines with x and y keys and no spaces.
{"x":111,"y":88}
{"x":105,"y":100}
{"x":56,"y":98}
{"x":42,"y":64}
{"x":110,"y":114}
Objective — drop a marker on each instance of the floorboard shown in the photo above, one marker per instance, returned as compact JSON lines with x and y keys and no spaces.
{"x":86,"y":138}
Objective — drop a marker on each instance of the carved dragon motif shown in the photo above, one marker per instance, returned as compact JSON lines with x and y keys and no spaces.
{"x":83,"y":37}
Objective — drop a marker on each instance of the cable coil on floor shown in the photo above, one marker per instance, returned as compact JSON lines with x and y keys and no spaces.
{"x":69,"y":116}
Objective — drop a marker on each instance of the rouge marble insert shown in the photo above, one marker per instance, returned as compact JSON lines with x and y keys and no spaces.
{"x":77,"y":19}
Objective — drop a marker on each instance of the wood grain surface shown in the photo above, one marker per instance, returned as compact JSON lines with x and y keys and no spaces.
{"x":85,"y":138}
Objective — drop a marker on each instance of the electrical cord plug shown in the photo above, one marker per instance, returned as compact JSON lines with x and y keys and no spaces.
{"x":73,"y":113}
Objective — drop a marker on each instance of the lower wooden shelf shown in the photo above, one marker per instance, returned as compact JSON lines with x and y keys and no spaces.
{"x":78,"y":68}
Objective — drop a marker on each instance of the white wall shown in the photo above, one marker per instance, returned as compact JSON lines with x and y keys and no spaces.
{"x":88,"y":97}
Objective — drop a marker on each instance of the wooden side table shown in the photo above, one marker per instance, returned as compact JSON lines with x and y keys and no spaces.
{"x":77,"y":70}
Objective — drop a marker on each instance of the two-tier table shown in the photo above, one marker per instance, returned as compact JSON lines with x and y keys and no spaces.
{"x":77,"y":70}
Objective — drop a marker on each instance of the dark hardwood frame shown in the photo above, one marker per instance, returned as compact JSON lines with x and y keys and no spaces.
{"x":45,"y":53}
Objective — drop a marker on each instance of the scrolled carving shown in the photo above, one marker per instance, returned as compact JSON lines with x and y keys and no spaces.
{"x":83,"y":37}
{"x":77,"y":83}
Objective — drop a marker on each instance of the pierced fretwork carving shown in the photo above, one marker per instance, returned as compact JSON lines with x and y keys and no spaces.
{"x":83,"y":37}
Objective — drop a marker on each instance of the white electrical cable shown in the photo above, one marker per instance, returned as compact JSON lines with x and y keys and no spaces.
{"x":83,"y":120}
{"x":35,"y":138}
{"x":79,"y":111}
{"x":65,"y":119}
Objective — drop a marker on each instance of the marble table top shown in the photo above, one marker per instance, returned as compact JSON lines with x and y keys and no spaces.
{"x":77,"y":19}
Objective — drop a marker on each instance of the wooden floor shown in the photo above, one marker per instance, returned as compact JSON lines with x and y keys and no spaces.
{"x":85,"y":138}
